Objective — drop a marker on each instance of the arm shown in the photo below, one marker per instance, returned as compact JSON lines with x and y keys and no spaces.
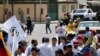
{"x":50,"y":52}
{"x":27,"y":51}
{"x":88,"y":41}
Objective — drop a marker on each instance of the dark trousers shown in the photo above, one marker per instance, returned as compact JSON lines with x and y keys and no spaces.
{"x":29,"y":31}
{"x":48,"y":28}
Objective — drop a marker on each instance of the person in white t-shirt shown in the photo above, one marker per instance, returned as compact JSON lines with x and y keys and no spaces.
{"x":34,"y":43}
{"x":63,"y":43}
{"x":45,"y":48}
{"x":88,"y":33}
{"x":60,"y":32}
{"x":54,"y":46}
{"x":47,"y":27}
{"x":75,"y":47}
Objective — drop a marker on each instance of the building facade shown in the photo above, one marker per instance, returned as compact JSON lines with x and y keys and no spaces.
{"x":37,"y":9}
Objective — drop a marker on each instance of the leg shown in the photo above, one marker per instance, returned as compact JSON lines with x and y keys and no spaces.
{"x":28,"y":31}
{"x":46,"y":29}
{"x":49,"y":28}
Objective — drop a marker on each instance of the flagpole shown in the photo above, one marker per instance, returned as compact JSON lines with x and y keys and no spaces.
{"x":78,"y":3}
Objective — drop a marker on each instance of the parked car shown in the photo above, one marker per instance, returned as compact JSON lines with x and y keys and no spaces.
{"x":91,"y":24}
{"x":83,"y":14}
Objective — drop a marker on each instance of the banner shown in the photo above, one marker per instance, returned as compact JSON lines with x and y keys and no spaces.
{"x":15,"y":33}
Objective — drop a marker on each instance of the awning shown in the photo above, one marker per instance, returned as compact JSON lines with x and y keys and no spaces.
{"x":94,"y":2}
{"x":84,"y":4}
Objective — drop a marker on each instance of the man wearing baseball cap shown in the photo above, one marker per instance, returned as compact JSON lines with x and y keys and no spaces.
{"x":75,"y":47}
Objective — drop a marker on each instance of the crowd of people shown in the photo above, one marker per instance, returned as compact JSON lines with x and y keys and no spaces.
{"x":68,"y":46}
{"x":67,"y":42}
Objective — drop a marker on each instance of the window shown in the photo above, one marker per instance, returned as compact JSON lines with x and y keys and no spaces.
{"x":79,"y":11}
{"x":41,"y":10}
{"x":72,"y":7}
{"x":64,"y":8}
{"x":28,"y":11}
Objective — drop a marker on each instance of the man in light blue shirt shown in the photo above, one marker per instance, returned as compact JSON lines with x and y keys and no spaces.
{"x":88,"y":33}
{"x":45,"y":48}
{"x":28,"y":49}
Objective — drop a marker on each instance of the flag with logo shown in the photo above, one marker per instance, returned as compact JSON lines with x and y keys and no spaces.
{"x":15,"y":33}
{"x":86,"y":50}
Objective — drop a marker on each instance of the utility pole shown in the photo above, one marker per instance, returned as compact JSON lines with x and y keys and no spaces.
{"x":3,"y":10}
{"x":34,"y":10}
{"x":40,"y":10}
{"x":78,"y":4}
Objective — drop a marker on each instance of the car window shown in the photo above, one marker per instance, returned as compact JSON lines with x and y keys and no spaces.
{"x":89,"y":25}
{"x":79,"y":11}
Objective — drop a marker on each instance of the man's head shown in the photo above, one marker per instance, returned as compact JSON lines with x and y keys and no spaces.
{"x":65,"y":48}
{"x":94,"y":32}
{"x":23,"y":45}
{"x":46,"y":15}
{"x":19,"y":50}
{"x":34,"y":51}
{"x":34,"y":42}
{"x":54,"y":41}
{"x":63,"y":40}
{"x":87,"y":28}
{"x":80,"y":39}
{"x":61,"y":24}
{"x":28,"y":18}
{"x":45,"y":40}
{"x":70,"y":36}
{"x":59,"y":52}
{"x":76,"y":43}
{"x":69,"y":48}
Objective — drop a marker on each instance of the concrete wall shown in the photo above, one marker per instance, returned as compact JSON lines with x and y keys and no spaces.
{"x":62,"y":9}
{"x":24,"y":8}
{"x":31,"y":7}
{"x":1,"y":12}
{"x":38,"y":9}
{"x":65,"y":8}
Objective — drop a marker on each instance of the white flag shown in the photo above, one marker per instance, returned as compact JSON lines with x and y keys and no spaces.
{"x":10,"y":25}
